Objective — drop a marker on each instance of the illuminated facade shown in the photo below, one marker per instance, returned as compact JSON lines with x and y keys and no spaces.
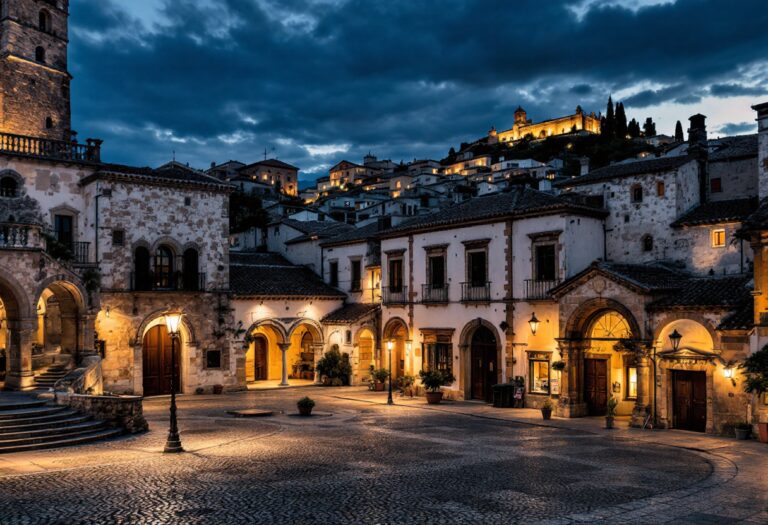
{"x":523,"y":127}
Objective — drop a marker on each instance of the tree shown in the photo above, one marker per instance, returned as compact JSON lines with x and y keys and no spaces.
{"x":756,"y":371}
{"x":620,"y":121}
{"x":609,"y":130}
{"x":649,"y":128}
{"x":679,"y":137}
{"x":633,"y":129}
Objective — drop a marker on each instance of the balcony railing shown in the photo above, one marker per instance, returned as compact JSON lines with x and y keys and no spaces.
{"x":169,"y":282}
{"x":51,"y":149}
{"x":537,"y":289}
{"x":474,"y":292}
{"x":395,"y":295}
{"x":434,"y":294}
{"x":20,"y":236}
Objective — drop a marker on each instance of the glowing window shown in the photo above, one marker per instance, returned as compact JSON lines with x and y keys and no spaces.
{"x":539,"y":376}
{"x":718,"y":238}
{"x":631,"y":382}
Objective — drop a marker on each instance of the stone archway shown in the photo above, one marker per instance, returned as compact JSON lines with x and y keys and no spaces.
{"x":152,"y":339}
{"x":17,"y":327}
{"x":396,"y":332}
{"x":306,"y":347}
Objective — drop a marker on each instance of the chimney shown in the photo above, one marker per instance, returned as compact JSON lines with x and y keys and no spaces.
{"x":697,"y":149}
{"x":762,"y":149}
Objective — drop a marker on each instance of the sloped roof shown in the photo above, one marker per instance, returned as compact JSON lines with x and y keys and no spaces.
{"x":757,"y":221}
{"x":271,"y":275}
{"x":518,"y":201}
{"x":644,"y":278}
{"x":369,"y":231}
{"x":726,"y":292}
{"x":273,"y":163}
{"x":741,"y":319}
{"x":718,"y":212}
{"x":170,"y":173}
{"x":628,"y":169}
{"x":734,"y":147}
{"x":349,"y":313}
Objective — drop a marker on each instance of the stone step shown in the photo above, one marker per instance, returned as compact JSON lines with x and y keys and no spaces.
{"x":32,"y":434}
{"x":22,"y":403}
{"x":24,"y":413}
{"x":50,"y":374}
{"x":68,"y":418}
{"x":88,"y":437}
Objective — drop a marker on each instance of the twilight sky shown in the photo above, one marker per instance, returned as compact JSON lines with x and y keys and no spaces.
{"x":315,"y":81}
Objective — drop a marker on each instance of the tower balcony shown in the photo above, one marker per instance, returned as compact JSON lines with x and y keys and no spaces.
{"x":43,"y":148}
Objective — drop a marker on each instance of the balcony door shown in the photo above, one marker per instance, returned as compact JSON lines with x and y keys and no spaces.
{"x":63,"y":227}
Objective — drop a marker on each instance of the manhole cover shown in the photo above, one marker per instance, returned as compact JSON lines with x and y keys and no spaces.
{"x":251,"y":412}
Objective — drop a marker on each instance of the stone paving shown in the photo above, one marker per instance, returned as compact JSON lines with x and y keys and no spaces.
{"x":371,"y":463}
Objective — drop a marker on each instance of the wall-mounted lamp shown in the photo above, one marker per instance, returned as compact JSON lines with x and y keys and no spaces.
{"x":728,"y":372}
{"x":106,"y":312}
{"x":534,"y":323}
{"x":675,"y":337}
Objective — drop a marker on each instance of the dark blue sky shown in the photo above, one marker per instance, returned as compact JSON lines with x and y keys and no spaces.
{"x":314,"y":81}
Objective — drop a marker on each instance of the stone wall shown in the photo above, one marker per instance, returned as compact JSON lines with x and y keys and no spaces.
{"x":125,"y":412}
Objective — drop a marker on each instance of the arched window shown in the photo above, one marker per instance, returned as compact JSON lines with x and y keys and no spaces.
{"x":648,"y":243}
{"x":141,"y":275}
{"x":40,"y":54}
{"x":164,"y":268}
{"x":192,"y":276}
{"x":48,"y":122}
{"x":8,"y":187}
{"x":44,"y":21}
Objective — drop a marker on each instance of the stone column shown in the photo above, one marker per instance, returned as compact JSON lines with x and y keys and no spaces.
{"x":644,"y":386}
{"x":284,"y":350}
{"x":318,"y":348}
{"x":22,"y":335}
{"x":571,"y":403}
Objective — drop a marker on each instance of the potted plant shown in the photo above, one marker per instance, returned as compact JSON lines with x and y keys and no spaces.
{"x":405,"y":385}
{"x":218,"y":389}
{"x":334,"y":367}
{"x":743,"y":430}
{"x":380,"y":376}
{"x":610,"y":411}
{"x":305,"y":406}
{"x":558,"y":365}
{"x":756,"y":371}
{"x":546,"y":409}
{"x":433,"y":380}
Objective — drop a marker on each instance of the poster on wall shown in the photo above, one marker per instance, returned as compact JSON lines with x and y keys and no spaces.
{"x":554,"y":386}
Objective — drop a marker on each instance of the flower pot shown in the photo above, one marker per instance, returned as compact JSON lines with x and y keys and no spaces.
{"x":546,"y":413}
{"x":743,"y":433}
{"x":762,"y":432}
{"x":379,"y":387}
{"x":609,"y":422}
{"x":305,"y":411}
{"x":434,"y":398}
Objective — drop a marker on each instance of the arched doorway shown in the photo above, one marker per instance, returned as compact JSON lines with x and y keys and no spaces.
{"x":603,"y":368}
{"x":15,"y":316}
{"x":157,"y":371}
{"x":395,"y":331}
{"x":484,"y":364}
{"x":260,"y":358}
{"x":59,"y":330}
{"x":365,"y":355}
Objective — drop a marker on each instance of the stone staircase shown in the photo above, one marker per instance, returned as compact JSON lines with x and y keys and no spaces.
{"x":27,"y":423}
{"x":48,"y":377}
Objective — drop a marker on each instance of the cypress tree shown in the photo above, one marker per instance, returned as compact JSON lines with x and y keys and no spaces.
{"x":621,"y":121}
{"x":633,"y":129}
{"x":649,"y":128}
{"x":610,"y":129}
{"x":679,"y":137}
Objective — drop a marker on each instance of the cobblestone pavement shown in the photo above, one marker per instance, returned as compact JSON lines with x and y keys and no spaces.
{"x":369,"y":463}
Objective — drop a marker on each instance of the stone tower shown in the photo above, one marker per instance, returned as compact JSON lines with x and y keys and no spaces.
{"x":34,"y":81}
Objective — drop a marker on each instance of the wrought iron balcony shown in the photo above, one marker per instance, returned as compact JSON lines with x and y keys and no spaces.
{"x":395,"y":295}
{"x":167,"y":282}
{"x":538,"y":289}
{"x":20,"y":236}
{"x":474,"y":292}
{"x":431,"y":294}
{"x":51,"y":149}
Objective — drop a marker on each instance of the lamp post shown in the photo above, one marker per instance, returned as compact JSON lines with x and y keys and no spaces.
{"x":173,"y":324}
{"x":390,"y":344}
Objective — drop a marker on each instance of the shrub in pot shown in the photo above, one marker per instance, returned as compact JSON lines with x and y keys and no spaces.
{"x":546,"y":409}
{"x":433,"y":380}
{"x":334,"y":367}
{"x":743,"y":430}
{"x":610,"y":411}
{"x":305,"y":406}
{"x":380,"y":376}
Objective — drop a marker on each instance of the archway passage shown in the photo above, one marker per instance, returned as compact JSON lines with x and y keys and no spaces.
{"x":484,"y":364}
{"x":365,"y":354}
{"x":397,"y":333}
{"x":602,"y":366}
{"x":59,"y":317}
{"x":260,"y":353}
{"x":156,"y":362}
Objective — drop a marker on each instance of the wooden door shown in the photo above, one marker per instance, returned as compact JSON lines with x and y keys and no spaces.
{"x":596,"y":386}
{"x":156,"y":362}
{"x":484,"y":366}
{"x":689,"y":392}
{"x":260,"y":359}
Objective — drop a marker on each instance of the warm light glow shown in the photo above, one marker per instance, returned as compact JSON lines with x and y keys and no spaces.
{"x":675,"y":337}
{"x":728,"y":372}
{"x":390,"y":345}
{"x":106,"y":312}
{"x":534,"y":323}
{"x":173,"y":321}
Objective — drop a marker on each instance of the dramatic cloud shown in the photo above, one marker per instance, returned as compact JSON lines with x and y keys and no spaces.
{"x":312,"y":81}
{"x":735,"y":128}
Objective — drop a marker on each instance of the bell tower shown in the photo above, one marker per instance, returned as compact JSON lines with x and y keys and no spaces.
{"x":34,"y":80}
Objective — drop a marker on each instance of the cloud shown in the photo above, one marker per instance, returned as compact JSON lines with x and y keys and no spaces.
{"x":738,"y":128}
{"x":735,"y":90}
{"x":314,"y":79}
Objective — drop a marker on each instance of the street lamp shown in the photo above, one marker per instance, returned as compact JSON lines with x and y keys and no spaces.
{"x":675,"y":338}
{"x":533,"y":323}
{"x":173,"y":324}
{"x":390,"y":344}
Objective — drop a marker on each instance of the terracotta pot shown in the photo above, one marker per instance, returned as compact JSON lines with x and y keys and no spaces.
{"x":762,"y":432}
{"x":546,"y":413}
{"x":434,"y":398}
{"x":609,"y":422}
{"x":379,"y":387}
{"x":305,"y":411}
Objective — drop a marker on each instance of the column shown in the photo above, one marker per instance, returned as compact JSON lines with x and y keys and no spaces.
{"x":22,"y":335}
{"x":571,"y":403}
{"x":318,"y":348}
{"x":284,"y":350}
{"x":644,"y":385}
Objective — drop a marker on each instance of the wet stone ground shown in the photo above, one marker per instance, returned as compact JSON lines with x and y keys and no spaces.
{"x":366,"y":464}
